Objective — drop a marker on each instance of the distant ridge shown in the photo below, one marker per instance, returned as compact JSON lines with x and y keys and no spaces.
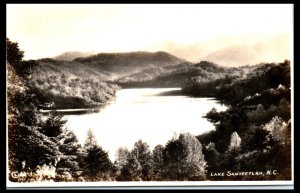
{"x":69,"y":56}
{"x":129,"y":62}
{"x":272,"y":50}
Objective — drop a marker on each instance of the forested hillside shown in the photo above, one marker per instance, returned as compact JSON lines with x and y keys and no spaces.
{"x":71,"y":84}
{"x":181,"y":74}
{"x":255,"y":132}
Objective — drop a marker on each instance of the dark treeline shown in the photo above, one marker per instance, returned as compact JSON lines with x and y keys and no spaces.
{"x":253,"y":134}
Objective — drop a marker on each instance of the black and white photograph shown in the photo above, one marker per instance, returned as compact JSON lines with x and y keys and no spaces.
{"x":133,"y":95}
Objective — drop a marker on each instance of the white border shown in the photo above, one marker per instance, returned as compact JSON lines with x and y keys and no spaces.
{"x":284,"y":184}
{"x":165,"y":183}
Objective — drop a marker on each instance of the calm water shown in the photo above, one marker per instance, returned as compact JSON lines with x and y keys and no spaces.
{"x":148,"y":114}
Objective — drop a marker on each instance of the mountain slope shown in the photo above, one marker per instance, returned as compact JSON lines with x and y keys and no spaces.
{"x":71,"y":84}
{"x":124,"y":64}
{"x":69,"y":56}
{"x":176,"y":75}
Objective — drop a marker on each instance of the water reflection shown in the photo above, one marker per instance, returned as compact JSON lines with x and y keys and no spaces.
{"x":150,"y":114}
{"x":73,"y":111}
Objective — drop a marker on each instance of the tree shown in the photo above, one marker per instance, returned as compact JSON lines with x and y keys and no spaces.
{"x":235,"y":142}
{"x":14,"y":55}
{"x":68,"y":161}
{"x":174,"y":155}
{"x":54,"y":124}
{"x":26,"y":143}
{"x":212,"y":156}
{"x":21,"y":100}
{"x":142,"y":153}
{"x":255,"y":139}
{"x":196,"y":165}
{"x":71,"y":150}
{"x":96,"y":164}
{"x":135,"y":165}
{"x":90,"y":140}
{"x":158,"y":162}
{"x":213,"y":116}
{"x":230,"y":156}
{"x":132,"y":171}
{"x":26,"y":67}
{"x":184,"y":159}
{"x":122,"y":157}
{"x":278,"y":130}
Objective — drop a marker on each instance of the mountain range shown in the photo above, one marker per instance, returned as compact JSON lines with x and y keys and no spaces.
{"x":225,"y":51}
{"x":233,"y":51}
{"x":142,"y":66}
{"x":271,"y":50}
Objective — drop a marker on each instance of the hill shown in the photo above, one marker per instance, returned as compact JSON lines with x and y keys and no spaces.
{"x":70,"y":84}
{"x":69,"y":56}
{"x":177,"y":75}
{"x":123,"y":64}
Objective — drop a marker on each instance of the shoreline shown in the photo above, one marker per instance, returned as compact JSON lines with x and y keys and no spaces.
{"x":72,"y":111}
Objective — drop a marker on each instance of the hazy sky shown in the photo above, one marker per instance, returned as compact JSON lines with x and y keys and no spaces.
{"x":49,"y":30}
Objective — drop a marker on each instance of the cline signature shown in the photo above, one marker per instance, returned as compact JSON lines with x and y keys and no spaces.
{"x":248,"y":173}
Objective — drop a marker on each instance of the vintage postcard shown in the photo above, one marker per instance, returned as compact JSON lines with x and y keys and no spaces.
{"x":149,"y":96}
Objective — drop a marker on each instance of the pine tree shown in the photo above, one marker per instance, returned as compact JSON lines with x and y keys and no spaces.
{"x":68,"y":161}
{"x":97,"y":165}
{"x":53,"y":126}
{"x":71,"y":150}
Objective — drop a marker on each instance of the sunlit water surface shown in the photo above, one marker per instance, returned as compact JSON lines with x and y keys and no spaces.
{"x":144,"y":113}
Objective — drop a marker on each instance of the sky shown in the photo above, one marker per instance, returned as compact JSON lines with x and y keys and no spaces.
{"x":47,"y":30}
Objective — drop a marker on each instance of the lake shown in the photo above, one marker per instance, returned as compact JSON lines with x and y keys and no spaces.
{"x":151,"y":114}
